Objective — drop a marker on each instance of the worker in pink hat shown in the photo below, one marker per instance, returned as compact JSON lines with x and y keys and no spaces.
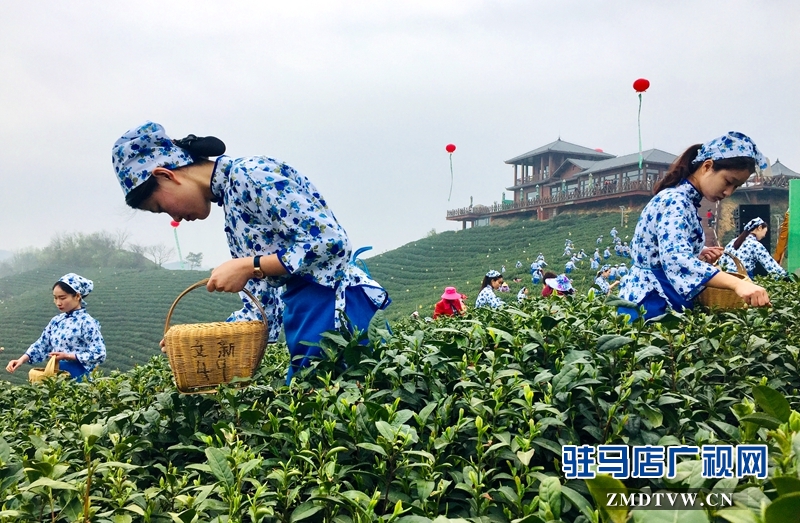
{"x":451,"y":303}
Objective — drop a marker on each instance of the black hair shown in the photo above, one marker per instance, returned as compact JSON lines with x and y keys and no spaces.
{"x":66,"y":288}
{"x":199,"y":148}
{"x":684,"y":166}
{"x":487,"y":280}
{"x":548,"y":275}
{"x":745,"y":233}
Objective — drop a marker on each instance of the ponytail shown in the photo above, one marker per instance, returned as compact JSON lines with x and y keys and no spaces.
{"x":679,"y":170}
{"x":742,"y":237}
{"x":201,"y":148}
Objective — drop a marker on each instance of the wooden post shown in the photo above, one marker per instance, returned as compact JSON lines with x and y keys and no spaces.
{"x":793,"y":245}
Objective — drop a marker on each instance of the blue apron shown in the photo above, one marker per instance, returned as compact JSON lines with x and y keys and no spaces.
{"x":654,"y":305}
{"x":309,"y":310}
{"x":75,"y":369}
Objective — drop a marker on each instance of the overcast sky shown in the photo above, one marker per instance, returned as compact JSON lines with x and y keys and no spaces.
{"x":363,"y":96}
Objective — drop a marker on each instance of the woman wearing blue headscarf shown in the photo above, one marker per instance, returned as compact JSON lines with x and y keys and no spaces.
{"x":671,"y":266}
{"x":280,"y":232}
{"x":748,"y":248}
{"x":73,"y":337}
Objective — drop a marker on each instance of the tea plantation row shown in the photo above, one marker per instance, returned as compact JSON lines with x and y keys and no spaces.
{"x":462,"y":419}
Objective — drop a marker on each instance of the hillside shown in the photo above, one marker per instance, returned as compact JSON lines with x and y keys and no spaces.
{"x":130,"y":305}
{"x":417,"y":273}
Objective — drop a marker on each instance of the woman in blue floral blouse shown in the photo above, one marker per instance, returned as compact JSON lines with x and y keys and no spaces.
{"x":671,"y":266}
{"x":280,"y":232}
{"x":73,"y":337}
{"x":487,"y":298}
{"x":748,"y":248}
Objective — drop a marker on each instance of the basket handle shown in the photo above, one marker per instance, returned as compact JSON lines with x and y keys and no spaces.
{"x":202,"y":283}
{"x":739,"y":265}
{"x":52,"y":366}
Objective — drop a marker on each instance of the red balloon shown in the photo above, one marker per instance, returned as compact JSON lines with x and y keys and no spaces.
{"x":450,"y":148}
{"x":174,"y":223}
{"x":599,"y":150}
{"x":641,"y":85}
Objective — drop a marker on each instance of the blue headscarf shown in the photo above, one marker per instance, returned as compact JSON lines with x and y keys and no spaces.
{"x":731,"y":145}
{"x":141,"y":150}
{"x":754,"y":224}
{"x":79,"y":284}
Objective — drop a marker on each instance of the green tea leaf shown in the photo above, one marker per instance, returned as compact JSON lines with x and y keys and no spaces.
{"x":612,"y":342}
{"x":218,"y":464}
{"x":762,"y":420}
{"x":647,"y":352}
{"x":304,"y":511}
{"x":579,"y":501}
{"x":786,"y":484}
{"x":386,"y":430}
{"x":669,"y":516}
{"x":564,"y":378}
{"x":599,"y":488}
{"x":550,"y":492}
{"x":772,"y":402}
{"x":374,"y":448}
{"x":52,"y":484}
{"x":784,"y":508}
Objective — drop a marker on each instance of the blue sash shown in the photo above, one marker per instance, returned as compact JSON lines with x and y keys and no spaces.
{"x":654,"y":305}
{"x":75,"y":369}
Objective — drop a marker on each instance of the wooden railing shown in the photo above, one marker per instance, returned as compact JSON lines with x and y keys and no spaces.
{"x":569,"y":196}
{"x":588,"y":193}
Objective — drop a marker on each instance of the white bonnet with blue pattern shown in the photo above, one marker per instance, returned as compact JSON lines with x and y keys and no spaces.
{"x":79,"y":284}
{"x":754,"y":224}
{"x":142,"y":149}
{"x":731,"y":145}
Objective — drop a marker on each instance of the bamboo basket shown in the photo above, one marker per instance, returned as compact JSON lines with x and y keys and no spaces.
{"x":38,"y":374}
{"x":725,"y":299}
{"x":204,"y":355}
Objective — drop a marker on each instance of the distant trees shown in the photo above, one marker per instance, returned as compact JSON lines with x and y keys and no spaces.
{"x":159,"y":253}
{"x":78,"y":250}
{"x":195,"y":259}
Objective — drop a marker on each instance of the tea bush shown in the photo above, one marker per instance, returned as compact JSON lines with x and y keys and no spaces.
{"x":461,"y":419}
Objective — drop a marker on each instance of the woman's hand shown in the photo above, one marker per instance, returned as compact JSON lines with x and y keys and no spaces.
{"x":231,"y":276}
{"x":61,"y":356}
{"x":752,"y":294}
{"x":13,"y":364}
{"x":711,"y":254}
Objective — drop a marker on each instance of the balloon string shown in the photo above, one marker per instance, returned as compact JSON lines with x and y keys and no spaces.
{"x":451,"y":177}
{"x":180,"y":256}
{"x":639,"y":119}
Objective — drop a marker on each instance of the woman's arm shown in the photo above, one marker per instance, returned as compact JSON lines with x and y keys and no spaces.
{"x":40,"y":349}
{"x":232,"y":275}
{"x":14,"y":364}
{"x":763,"y":256}
{"x":751,"y":293}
